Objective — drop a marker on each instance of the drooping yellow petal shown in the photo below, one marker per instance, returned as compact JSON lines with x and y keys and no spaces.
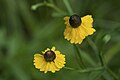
{"x":87,"y":19}
{"x":60,"y":59}
{"x":52,"y":68}
{"x":55,"y":67}
{"x":80,"y":37}
{"x":59,"y":62}
{"x":46,"y":67}
{"x":67,"y":33}
{"x":43,"y":67}
{"x":81,"y":32}
{"x":72,"y":36}
{"x":38,"y":59}
{"x":88,"y":30}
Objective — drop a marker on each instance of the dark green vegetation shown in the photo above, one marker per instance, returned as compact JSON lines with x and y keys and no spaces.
{"x":24,"y":31}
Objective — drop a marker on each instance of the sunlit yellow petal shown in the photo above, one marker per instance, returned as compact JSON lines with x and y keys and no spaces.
{"x":67,"y":33}
{"x":46,"y":67}
{"x":38,"y":59}
{"x":87,"y":19}
{"x":66,"y":18}
{"x":43,"y":67}
{"x":55,"y":67}
{"x":53,"y":48}
{"x":60,"y":59}
{"x":87,"y":30}
{"x":52,"y":68}
{"x":47,"y":49}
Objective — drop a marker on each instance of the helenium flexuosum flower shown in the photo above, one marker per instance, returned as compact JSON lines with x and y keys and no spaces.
{"x":78,"y":28}
{"x":49,"y":60}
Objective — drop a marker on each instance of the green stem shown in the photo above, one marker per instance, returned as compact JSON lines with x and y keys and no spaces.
{"x":66,"y":2}
{"x":34,"y":7}
{"x":55,"y":8}
{"x":51,"y":5}
{"x":85,"y":70}
{"x":69,"y":68}
{"x":101,"y":57}
{"x":112,"y":73}
{"x":93,"y":45}
{"x":99,"y":75}
{"x":79,"y":54}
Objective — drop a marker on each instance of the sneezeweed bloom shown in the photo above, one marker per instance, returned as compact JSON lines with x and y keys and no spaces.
{"x":49,"y":60}
{"x":78,"y":28}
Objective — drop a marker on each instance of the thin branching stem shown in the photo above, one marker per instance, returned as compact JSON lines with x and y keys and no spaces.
{"x":93,"y":45}
{"x":102,"y":60}
{"x":80,"y":57}
{"x":51,"y":5}
{"x":85,"y":70}
{"x":55,"y":8}
{"x":112,"y":73}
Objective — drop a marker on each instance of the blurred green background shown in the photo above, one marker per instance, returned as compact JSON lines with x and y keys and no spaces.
{"x":24,"y":31}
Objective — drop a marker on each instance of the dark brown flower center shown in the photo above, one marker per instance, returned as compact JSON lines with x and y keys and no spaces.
{"x":49,"y":56}
{"x":75,"y":21}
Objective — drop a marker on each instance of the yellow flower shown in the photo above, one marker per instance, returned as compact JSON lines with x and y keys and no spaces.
{"x":78,"y":28}
{"x":49,"y":60}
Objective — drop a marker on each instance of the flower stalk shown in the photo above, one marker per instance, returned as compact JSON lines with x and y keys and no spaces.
{"x":51,"y":5}
{"x":85,"y":70}
{"x":83,"y":66}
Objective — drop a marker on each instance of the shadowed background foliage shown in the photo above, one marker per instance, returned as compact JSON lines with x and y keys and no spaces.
{"x":24,"y":31}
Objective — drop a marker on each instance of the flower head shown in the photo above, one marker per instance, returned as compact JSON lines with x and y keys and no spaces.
{"x":78,"y":28}
{"x":49,"y":60}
